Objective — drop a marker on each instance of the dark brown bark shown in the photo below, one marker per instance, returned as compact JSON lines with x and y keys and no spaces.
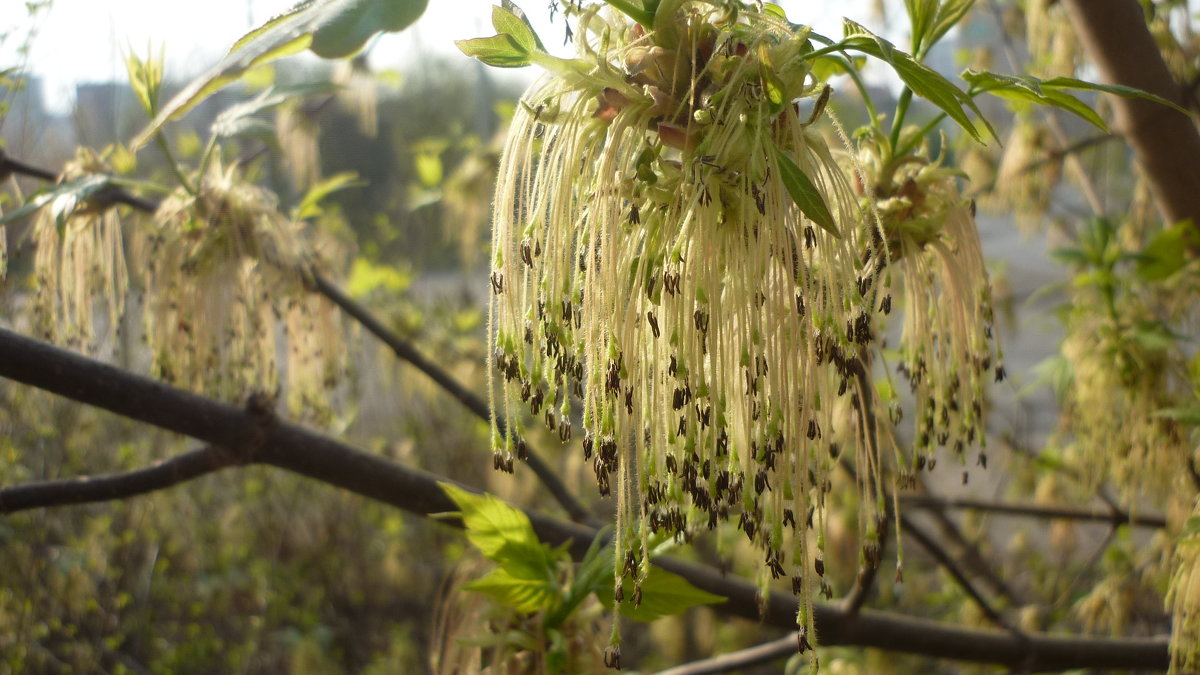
{"x":254,"y":436}
{"x":1167,"y":145}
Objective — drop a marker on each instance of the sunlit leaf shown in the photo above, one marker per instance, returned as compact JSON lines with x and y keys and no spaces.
{"x":520,"y":593}
{"x":62,"y":198}
{"x":310,"y":204}
{"x":236,"y":119}
{"x":663,"y":594}
{"x":923,"y":81}
{"x":331,"y":28}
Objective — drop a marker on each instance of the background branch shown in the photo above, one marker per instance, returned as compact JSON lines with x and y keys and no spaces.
{"x":1117,"y":517}
{"x":84,"y":489}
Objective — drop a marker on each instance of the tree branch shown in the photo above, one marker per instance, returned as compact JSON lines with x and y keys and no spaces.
{"x":255,"y":438}
{"x":1116,"y":517}
{"x":1167,"y":145}
{"x":157,"y":476}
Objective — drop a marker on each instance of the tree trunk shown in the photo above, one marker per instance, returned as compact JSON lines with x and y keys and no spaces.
{"x":1167,"y":145}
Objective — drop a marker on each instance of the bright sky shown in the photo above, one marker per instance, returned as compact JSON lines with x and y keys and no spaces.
{"x":86,"y":40}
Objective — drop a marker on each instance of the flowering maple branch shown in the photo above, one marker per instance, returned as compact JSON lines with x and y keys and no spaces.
{"x":254,"y":436}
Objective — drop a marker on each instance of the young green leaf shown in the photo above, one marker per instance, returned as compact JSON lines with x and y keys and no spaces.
{"x":492,"y":525}
{"x":806,"y":195}
{"x":331,"y":28}
{"x":62,"y":198}
{"x":1051,"y":92}
{"x":500,"y":51}
{"x":520,"y":593}
{"x":310,"y":205}
{"x":663,"y":594}
{"x":931,"y":19}
{"x":595,"y":567}
{"x":507,"y":21}
{"x":1166,"y":253}
{"x":237,"y":119}
{"x":922,"y":80}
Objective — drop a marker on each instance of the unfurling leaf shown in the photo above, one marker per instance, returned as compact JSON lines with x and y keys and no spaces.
{"x":663,"y":594}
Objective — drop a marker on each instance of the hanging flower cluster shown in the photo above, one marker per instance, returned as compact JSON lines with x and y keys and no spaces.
{"x":678,"y":249}
{"x":650,"y":257}
{"x":947,"y":351}
{"x":224,"y":286}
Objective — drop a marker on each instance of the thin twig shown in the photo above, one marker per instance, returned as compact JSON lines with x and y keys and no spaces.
{"x":1118,"y":517}
{"x":401,"y":348}
{"x":744,"y":658}
{"x":951,"y":566}
{"x":86,"y":489}
{"x":331,"y":462}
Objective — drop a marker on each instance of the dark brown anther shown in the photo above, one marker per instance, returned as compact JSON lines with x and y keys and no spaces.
{"x":629,"y":400}
{"x":759,"y":201}
{"x":588,"y":444}
{"x":673,"y":368}
{"x":567,"y":307}
{"x":637,"y":595}
{"x":775,"y":566}
{"x":653,"y":321}
{"x":886,"y":304}
{"x":497,"y":280}
{"x":551,"y":420}
{"x":810,"y":237}
{"x":789,"y":517}
{"x":802,"y":642}
{"x":983,"y":460}
{"x":797,"y":586}
{"x":966,"y":477}
{"x":635,"y":216}
{"x":1001,"y":373}
{"x":612,"y":657}
{"x":564,"y":429}
{"x":932,"y":463}
{"x":525,"y":391}
{"x":842,"y":387}
{"x":700,"y":318}
{"x":522,"y":450}
{"x":526,"y":253}
{"x":814,"y":431}
{"x":722,"y":443}
{"x":819,"y":565}
{"x":672,"y":464}
{"x":826,"y":590}
{"x":682,"y":426}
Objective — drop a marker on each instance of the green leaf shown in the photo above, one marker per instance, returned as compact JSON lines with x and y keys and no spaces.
{"x":344,"y":26}
{"x":923,"y":81}
{"x":497,"y":529}
{"x":310,"y":205}
{"x":1182,"y":415}
{"x":500,"y":51}
{"x":1119,"y":90}
{"x":522,"y":593}
{"x":510,"y":20}
{"x":145,"y":78}
{"x":597,"y":564}
{"x":1031,"y":89}
{"x":1191,"y":527}
{"x":663,"y":594}
{"x":331,"y":28}
{"x":239,"y":119}
{"x":62,"y":199}
{"x":931,"y":19}
{"x":805,"y":193}
{"x":365,"y":277}
{"x":1166,"y":253}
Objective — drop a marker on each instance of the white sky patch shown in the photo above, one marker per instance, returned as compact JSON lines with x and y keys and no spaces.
{"x":76,"y":41}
